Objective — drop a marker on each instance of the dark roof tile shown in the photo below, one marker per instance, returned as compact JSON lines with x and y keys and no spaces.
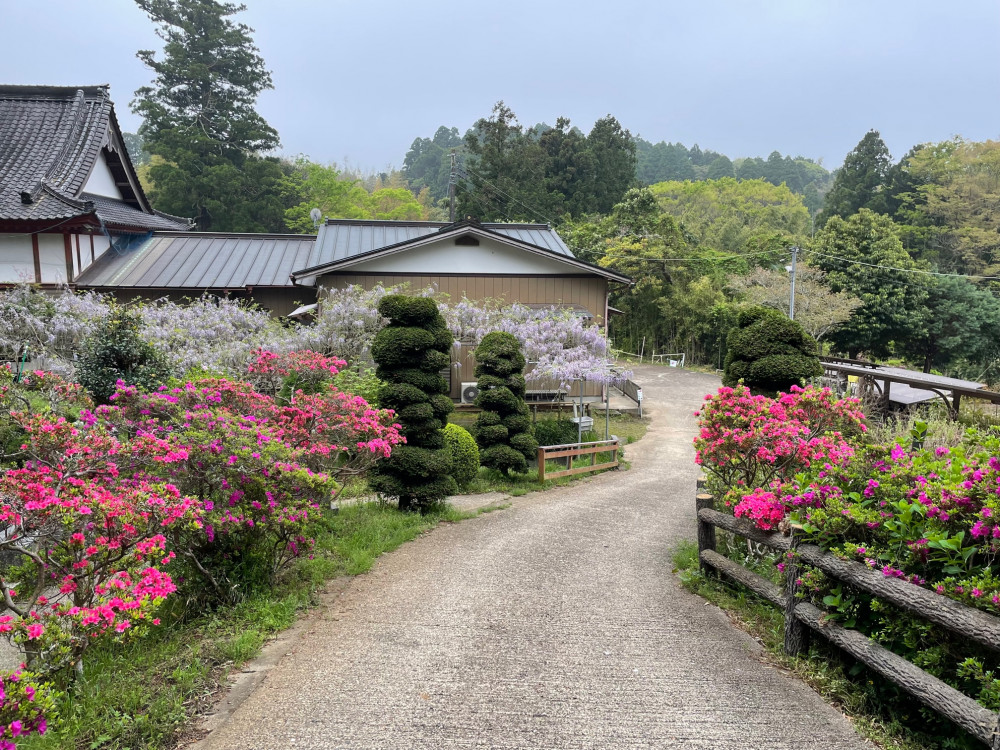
{"x":51,"y":138}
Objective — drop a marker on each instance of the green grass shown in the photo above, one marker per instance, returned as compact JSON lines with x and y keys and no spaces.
{"x":826,"y":669}
{"x":143,"y":694}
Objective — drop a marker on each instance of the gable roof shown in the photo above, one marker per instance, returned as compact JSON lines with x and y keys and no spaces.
{"x":342,"y":243}
{"x":53,"y":137}
{"x":201,"y":261}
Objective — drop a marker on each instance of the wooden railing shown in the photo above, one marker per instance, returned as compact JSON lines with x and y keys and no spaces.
{"x":570,"y":451}
{"x":802,"y":617}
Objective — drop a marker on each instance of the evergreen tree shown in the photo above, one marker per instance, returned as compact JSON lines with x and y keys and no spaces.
{"x":116,"y":352}
{"x":721,"y":167}
{"x":503,"y":428}
{"x":957,"y":321}
{"x":410,"y":353}
{"x":199,"y":116}
{"x":860,"y":256}
{"x":861,"y":182}
{"x":613,"y":152}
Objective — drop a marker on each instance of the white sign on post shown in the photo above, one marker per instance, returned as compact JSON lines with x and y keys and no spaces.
{"x":638,"y":395}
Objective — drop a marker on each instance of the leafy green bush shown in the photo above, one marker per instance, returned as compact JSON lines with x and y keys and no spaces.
{"x":116,"y":352}
{"x":555,"y":432}
{"x":409,"y":353}
{"x":769,"y":352}
{"x":464,"y":453}
{"x":503,"y":429}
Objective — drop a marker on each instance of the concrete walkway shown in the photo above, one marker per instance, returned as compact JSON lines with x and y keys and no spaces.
{"x":556,"y":623}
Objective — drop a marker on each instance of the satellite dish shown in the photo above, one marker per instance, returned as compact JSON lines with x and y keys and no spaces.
{"x":316,"y":215}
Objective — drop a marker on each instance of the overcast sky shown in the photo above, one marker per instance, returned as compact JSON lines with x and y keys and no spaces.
{"x":360,"y":80}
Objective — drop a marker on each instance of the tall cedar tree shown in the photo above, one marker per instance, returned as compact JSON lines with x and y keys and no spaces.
{"x":861,"y":182}
{"x":503,"y":428}
{"x":769,"y":352}
{"x":410,"y":353}
{"x":199,"y":117}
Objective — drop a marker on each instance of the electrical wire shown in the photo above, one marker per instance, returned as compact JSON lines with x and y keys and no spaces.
{"x":901,"y":270}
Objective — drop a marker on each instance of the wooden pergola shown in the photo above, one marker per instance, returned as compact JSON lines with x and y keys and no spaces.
{"x":911,"y":387}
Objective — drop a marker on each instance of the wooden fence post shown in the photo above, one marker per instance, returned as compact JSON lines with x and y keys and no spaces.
{"x":541,"y":464}
{"x":706,"y":531}
{"x":796,"y":632}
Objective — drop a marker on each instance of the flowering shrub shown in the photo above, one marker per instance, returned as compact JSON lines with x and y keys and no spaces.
{"x":304,"y":370}
{"x":930,"y":517}
{"x":558,"y":343}
{"x":211,"y":335}
{"x":260,"y":469}
{"x":748,"y":441}
{"x":25,"y":701}
{"x":89,"y":524}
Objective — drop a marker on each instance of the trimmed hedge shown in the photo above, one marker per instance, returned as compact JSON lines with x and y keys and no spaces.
{"x":409,"y":353}
{"x":769,"y":352}
{"x":503,"y":429}
{"x":464,"y":453}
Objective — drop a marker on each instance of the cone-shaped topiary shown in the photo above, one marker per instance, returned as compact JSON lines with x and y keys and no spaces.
{"x":503,"y":429}
{"x":769,"y":352}
{"x":410,"y":353}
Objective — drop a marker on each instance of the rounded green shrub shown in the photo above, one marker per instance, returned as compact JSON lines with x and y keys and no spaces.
{"x":116,"y":352}
{"x":464,"y":453}
{"x":410,"y":311}
{"x":769,"y":352}
{"x":503,"y":429}
{"x":409,"y":353}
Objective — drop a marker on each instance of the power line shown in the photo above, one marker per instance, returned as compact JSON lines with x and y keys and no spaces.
{"x":903,"y":270}
{"x":695,"y":258}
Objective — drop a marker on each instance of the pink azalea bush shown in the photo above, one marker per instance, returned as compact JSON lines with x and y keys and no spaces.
{"x":748,"y":441}
{"x":106,"y":511}
{"x":25,"y":702}
{"x":930,"y":518}
{"x":260,"y":468}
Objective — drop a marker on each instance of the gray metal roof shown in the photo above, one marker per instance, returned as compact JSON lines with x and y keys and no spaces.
{"x":339,"y":239}
{"x":202,"y":260}
{"x":50,"y":140}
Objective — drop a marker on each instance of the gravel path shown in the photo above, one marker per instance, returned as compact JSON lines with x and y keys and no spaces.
{"x":555,"y":623}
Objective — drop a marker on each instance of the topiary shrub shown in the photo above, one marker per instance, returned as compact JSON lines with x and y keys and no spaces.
{"x":409,"y":354}
{"x":464,"y":453}
{"x":116,"y":352}
{"x":769,"y":352}
{"x":503,"y":429}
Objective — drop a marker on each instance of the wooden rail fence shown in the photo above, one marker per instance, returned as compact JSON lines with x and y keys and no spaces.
{"x":569,"y":451}
{"x":801,"y":617}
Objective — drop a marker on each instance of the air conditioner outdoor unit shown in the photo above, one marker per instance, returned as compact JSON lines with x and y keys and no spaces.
{"x":469,"y":392}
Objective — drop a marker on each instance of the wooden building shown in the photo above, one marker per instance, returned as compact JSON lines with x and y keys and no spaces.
{"x":68,"y":191}
{"x":525,"y":263}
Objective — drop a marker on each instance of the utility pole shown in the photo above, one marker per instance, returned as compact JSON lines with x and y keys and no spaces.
{"x":451,"y":190}
{"x":791,"y":302}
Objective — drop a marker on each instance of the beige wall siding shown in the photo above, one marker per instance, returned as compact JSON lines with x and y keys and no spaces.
{"x":589,"y":291}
